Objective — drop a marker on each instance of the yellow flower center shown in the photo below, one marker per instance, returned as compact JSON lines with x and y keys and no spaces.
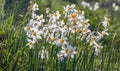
{"x":66,"y":50}
{"x":61,"y":40}
{"x":79,"y":11}
{"x":36,"y":6}
{"x":74,"y":20}
{"x":108,"y":23}
{"x":68,"y":27}
{"x":34,"y":33}
{"x":74,"y":28}
{"x":79,"y":30}
{"x":109,"y":19}
{"x":74,"y":24}
{"x":35,"y":17}
{"x":86,"y":23}
{"x":36,"y":24}
{"x":69,"y":8}
{"x":30,"y":43}
{"x":63,"y":12}
{"x":55,"y":14}
{"x":71,"y":51}
{"x":73,"y":15}
{"x":53,"y":38}
{"x":27,"y":27}
{"x":84,"y":30}
{"x":41,"y":18}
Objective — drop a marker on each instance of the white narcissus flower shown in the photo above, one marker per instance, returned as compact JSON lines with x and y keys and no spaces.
{"x":35,"y":7}
{"x":106,"y":22}
{"x":36,"y":34}
{"x":56,"y":15}
{"x":90,"y":8}
{"x":85,"y":30}
{"x":40,"y":19}
{"x":62,"y":23}
{"x":105,"y":32}
{"x":47,"y":10}
{"x":116,"y":7}
{"x":68,"y":51}
{"x":96,"y":6}
{"x":72,"y":6}
{"x":27,"y":28}
{"x":36,"y":24}
{"x":85,"y":4}
{"x":30,"y":43}
{"x":102,"y":34}
{"x":62,"y":41}
{"x":69,"y":8}
{"x":64,"y":31}
{"x":34,"y":16}
{"x":53,"y":38}
{"x":52,"y":26}
{"x":87,"y":24}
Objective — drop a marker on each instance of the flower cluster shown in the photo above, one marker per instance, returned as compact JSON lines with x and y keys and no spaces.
{"x":87,"y":4}
{"x":33,"y":28}
{"x":115,"y":7}
{"x":57,"y":31}
{"x":96,"y":6}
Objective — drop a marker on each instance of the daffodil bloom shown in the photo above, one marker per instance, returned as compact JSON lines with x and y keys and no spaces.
{"x":68,"y":51}
{"x":34,"y":16}
{"x":90,"y":38}
{"x":35,"y":7}
{"x":27,"y":28}
{"x":96,"y":6}
{"x":53,"y":38}
{"x":97,"y":45}
{"x":62,"y":41}
{"x":105,"y":22}
{"x":40,"y":18}
{"x":115,"y":7}
{"x":56,"y":15}
{"x":53,"y":27}
{"x":36,"y":34}
{"x":105,"y":32}
{"x":62,"y":23}
{"x":86,"y":24}
{"x":36,"y":24}
{"x":85,"y":30}
{"x":30,"y":43}
{"x":47,"y":10}
{"x":64,"y":31}
{"x":85,"y":4}
{"x":69,"y":8}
